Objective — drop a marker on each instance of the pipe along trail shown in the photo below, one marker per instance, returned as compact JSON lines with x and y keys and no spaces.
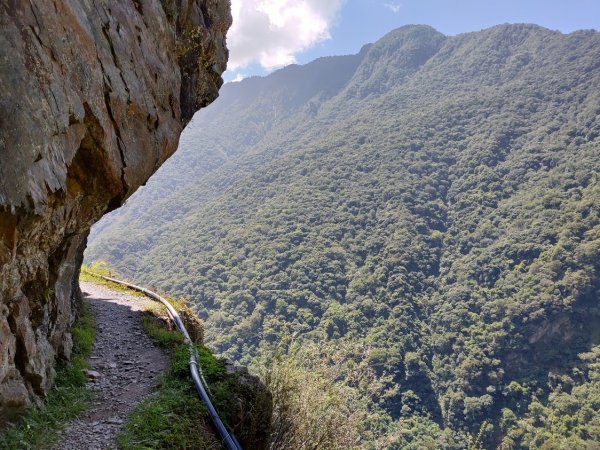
{"x":195,"y":371}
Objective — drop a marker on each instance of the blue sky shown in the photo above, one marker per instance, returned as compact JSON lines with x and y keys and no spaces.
{"x":268,"y":34}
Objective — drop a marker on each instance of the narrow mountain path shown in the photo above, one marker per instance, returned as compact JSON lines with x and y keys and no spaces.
{"x":125,"y":366}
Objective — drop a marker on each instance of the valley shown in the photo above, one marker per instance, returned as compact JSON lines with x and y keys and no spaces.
{"x":427,"y":209}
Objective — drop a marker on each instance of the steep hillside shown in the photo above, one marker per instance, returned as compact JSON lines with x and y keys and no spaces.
{"x":433,"y":198}
{"x":249,"y":113}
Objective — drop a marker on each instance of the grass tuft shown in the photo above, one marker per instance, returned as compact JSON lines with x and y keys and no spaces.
{"x":161,"y":336}
{"x":173,"y":418}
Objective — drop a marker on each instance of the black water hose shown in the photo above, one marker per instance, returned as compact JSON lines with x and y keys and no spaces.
{"x":195,"y":371}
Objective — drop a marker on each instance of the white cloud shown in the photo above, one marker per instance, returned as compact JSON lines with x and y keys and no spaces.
{"x":238,"y":77}
{"x":394,"y":7}
{"x":272,"y":32}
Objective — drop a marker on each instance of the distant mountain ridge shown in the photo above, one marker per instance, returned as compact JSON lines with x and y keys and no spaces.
{"x":435,"y":198}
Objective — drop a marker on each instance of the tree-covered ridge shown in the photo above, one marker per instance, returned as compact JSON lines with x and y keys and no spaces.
{"x":441,"y":206}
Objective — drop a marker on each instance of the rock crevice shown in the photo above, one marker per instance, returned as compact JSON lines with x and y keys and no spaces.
{"x":95,"y":96}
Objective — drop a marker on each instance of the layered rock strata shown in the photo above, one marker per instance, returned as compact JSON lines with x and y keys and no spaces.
{"x":94,"y":96}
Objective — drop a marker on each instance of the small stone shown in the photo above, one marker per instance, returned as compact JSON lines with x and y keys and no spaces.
{"x":230,"y":367}
{"x":92,"y":374}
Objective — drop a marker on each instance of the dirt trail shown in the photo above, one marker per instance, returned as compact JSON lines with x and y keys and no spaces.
{"x":127,"y":363}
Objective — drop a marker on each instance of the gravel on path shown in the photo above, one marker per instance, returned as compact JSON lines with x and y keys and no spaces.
{"x":124,"y":368}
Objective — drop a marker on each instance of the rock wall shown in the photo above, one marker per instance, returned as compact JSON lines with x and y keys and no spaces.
{"x":95,"y":94}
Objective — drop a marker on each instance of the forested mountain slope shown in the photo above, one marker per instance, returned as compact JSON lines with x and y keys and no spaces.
{"x":435,"y":199}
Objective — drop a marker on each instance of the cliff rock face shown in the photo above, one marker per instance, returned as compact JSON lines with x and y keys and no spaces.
{"x":95,"y":94}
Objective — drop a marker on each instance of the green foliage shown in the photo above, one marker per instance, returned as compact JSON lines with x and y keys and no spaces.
{"x":174,"y":417}
{"x":39,"y":427}
{"x":83,"y":333}
{"x":569,"y":418}
{"x":159,"y":334}
{"x":317,"y":397}
{"x":436,"y":200}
